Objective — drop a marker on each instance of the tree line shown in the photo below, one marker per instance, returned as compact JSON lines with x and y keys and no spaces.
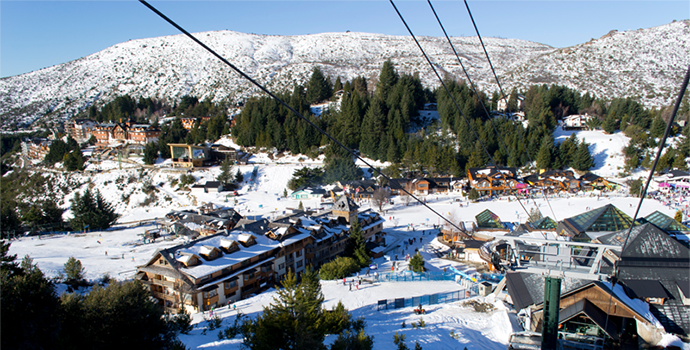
{"x":384,"y":124}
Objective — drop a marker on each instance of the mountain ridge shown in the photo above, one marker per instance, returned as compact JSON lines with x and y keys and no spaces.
{"x":646,"y":64}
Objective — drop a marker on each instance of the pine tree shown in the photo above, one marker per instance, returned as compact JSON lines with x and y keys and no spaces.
{"x":284,"y":324}
{"x":545,"y":153}
{"x":356,"y":246}
{"x":583,"y":160}
{"x":417,"y":263}
{"x":658,"y":127}
{"x":399,"y":340}
{"x":150,"y":153}
{"x":387,"y":80}
{"x":30,"y":309}
{"x":225,"y":176}
{"x":91,"y":212}
{"x":610,"y":123}
{"x":74,"y":272}
{"x":318,"y":88}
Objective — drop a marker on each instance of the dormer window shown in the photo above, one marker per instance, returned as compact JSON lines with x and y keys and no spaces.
{"x":247,"y":240}
{"x":229,"y":246}
{"x":209,"y":252}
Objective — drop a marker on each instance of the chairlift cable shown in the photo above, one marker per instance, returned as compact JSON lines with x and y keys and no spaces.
{"x":488,"y":115}
{"x":503,"y":95}
{"x":454,"y":101}
{"x":276,"y":98}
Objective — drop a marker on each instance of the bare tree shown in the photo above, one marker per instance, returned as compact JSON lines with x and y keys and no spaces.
{"x":381,"y":197}
{"x":406,"y":198}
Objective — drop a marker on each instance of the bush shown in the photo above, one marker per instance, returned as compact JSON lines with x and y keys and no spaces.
{"x":474,"y":195}
{"x":339,"y":268}
{"x":417,"y":263}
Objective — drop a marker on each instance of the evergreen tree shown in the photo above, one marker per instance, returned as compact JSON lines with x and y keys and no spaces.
{"x":115,"y":317}
{"x":399,"y":340}
{"x":545,"y":153}
{"x":74,"y":272}
{"x":56,"y":152}
{"x":284,"y":324}
{"x":338,"y":85}
{"x":658,"y":127}
{"x":91,"y":212}
{"x":150,"y":153}
{"x":417,"y":263}
{"x":9,"y":220}
{"x":610,"y":123}
{"x":353,"y":341}
{"x":583,"y":160}
{"x":635,"y":187}
{"x":8,"y":263}
{"x":73,"y":160}
{"x":30,"y":310}
{"x":387,"y":80}
{"x":318,"y":88}
{"x":225,"y":177}
{"x":356,"y":246}
{"x":239,"y":178}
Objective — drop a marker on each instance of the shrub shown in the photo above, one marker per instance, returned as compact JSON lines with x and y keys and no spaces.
{"x":339,"y":268}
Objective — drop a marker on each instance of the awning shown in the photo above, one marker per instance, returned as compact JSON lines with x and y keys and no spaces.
{"x":593,"y":313}
{"x":646,"y":288}
{"x":210,"y":288}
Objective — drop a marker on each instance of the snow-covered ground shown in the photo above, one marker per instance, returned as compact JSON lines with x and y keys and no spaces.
{"x":119,"y":252}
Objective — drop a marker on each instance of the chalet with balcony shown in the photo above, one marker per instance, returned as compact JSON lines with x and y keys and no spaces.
{"x":233,"y":264}
{"x":218,"y":269}
{"x":494,"y":180}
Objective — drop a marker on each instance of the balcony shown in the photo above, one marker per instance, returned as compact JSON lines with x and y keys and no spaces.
{"x":164,"y":296}
{"x":158,"y":282}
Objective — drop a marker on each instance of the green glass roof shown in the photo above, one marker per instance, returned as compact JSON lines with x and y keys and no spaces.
{"x":546,"y":223}
{"x":606,"y":218}
{"x":666,"y":222}
{"x":488,"y":219}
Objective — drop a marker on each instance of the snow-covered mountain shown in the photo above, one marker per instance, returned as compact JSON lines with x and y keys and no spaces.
{"x":645,"y":63}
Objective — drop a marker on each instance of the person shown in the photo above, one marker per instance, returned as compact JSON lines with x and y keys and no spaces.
{"x":343,"y":281}
{"x":350,"y":286}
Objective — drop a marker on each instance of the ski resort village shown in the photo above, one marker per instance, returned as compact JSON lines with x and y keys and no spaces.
{"x":362,"y":204}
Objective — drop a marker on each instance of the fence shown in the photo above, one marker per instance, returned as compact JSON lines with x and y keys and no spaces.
{"x":433,"y":299}
{"x":409,"y":276}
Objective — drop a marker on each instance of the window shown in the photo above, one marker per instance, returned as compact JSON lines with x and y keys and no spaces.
{"x":281,"y":266}
{"x":211,"y":294}
{"x":299,"y":263}
{"x":298,"y":253}
{"x":231,"y":284}
{"x":248,"y":276}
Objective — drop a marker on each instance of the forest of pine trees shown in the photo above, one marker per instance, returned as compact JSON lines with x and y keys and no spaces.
{"x":382,"y":125}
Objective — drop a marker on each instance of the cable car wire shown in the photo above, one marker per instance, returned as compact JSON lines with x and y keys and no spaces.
{"x":244,"y":75}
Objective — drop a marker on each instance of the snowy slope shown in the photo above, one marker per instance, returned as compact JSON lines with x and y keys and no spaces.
{"x":646,"y":63}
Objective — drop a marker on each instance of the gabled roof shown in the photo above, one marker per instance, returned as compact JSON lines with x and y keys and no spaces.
{"x":345,"y":203}
{"x":606,"y":218}
{"x":665,"y":222}
{"x":491,"y":171}
{"x":545,"y":223}
{"x":487,"y":219}
{"x":527,"y":289}
{"x":647,"y":244}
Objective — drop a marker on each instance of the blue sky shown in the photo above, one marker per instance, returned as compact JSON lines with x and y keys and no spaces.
{"x":38,"y":34}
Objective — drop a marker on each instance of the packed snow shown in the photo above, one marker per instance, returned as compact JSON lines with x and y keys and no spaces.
{"x":117,"y":253}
